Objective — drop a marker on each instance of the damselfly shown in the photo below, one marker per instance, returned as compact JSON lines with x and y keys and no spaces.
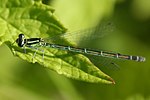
{"x":40,"y":42}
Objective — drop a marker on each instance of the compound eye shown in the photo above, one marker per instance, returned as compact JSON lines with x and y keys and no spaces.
{"x":21,"y":36}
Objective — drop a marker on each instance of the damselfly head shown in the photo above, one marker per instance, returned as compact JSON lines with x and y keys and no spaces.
{"x":20,"y":40}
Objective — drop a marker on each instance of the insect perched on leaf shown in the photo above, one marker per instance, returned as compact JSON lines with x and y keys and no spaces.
{"x":39,"y":42}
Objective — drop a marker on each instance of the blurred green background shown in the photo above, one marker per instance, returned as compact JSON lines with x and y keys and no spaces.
{"x":22,"y":80}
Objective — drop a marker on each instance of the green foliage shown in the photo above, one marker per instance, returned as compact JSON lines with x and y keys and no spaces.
{"x":35,"y":19}
{"x":21,"y":79}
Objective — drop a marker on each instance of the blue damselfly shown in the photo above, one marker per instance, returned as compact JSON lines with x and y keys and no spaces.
{"x":40,"y":42}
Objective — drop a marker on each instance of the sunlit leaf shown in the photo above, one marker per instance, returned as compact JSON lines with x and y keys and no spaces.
{"x":35,"y":19}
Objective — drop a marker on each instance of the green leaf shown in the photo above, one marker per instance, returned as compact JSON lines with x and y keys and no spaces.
{"x":35,"y":19}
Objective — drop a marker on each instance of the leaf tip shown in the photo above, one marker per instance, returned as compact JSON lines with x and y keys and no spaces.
{"x":113,"y":82}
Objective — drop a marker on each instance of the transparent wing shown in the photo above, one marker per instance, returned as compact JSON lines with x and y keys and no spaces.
{"x":104,"y":62}
{"x":98,"y":31}
{"x":105,"y":28}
